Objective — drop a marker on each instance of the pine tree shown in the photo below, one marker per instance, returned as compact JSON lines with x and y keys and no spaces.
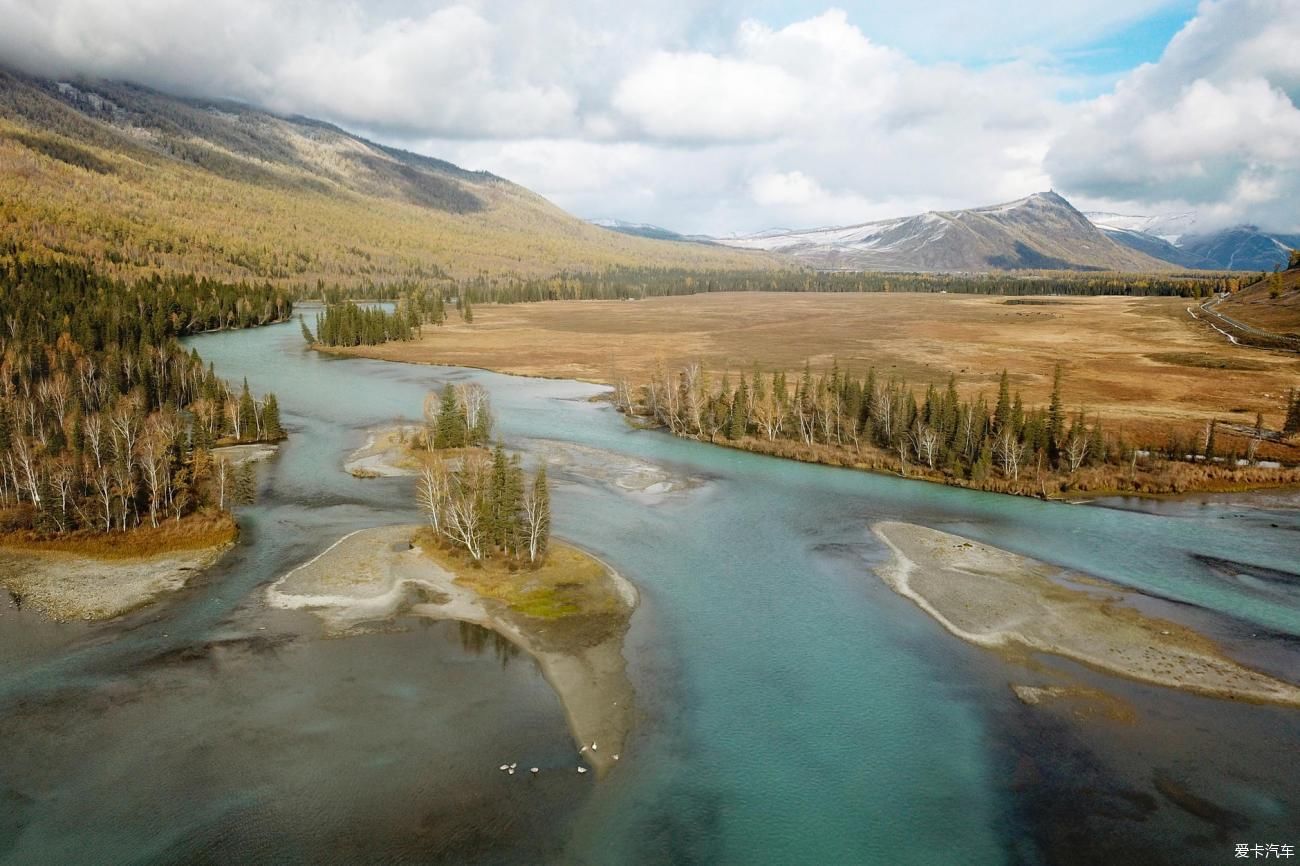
{"x":466,"y":311}
{"x":736,"y":420}
{"x":983,"y":465}
{"x":306,"y":331}
{"x":450,"y":430}
{"x":246,"y":483}
{"x":1055,"y":415}
{"x":1002,"y":412}
{"x":1209,"y":443}
{"x":247,"y":414}
{"x":271,"y":418}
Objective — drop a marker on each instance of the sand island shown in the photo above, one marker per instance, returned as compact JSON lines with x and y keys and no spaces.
{"x":997,"y":599}
{"x":570,"y":614}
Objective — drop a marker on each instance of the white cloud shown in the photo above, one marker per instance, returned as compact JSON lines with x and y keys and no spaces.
{"x":702,"y":116}
{"x":786,"y":188}
{"x":1213,"y":125}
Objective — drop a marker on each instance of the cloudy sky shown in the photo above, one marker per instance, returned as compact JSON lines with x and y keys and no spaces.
{"x":717,"y":116}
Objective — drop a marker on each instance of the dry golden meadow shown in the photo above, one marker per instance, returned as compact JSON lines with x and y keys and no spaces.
{"x":1140,"y":363}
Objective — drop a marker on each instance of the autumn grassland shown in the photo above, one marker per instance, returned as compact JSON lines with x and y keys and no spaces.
{"x":1142,"y":362}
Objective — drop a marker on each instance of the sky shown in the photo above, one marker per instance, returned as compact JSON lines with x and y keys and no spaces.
{"x":720,"y":116}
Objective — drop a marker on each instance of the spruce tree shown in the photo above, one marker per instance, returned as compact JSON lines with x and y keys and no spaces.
{"x":271,"y":419}
{"x":450,"y":430}
{"x":736,"y":420}
{"x":1055,"y":415}
{"x":1002,"y":412}
{"x":246,"y":483}
{"x":247,"y":414}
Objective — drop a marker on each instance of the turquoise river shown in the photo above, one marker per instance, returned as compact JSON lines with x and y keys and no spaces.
{"x":790,"y":707}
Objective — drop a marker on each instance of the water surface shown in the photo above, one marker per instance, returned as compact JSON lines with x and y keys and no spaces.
{"x":792,"y":708}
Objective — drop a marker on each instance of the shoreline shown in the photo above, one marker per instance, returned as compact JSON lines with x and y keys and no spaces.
{"x":1069,"y":497}
{"x":380,"y":572}
{"x":64,"y":586}
{"x":1000,"y":600}
{"x":634,"y":421}
{"x":384,"y":454}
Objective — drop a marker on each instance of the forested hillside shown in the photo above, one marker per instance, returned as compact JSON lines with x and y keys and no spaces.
{"x":138,"y":182}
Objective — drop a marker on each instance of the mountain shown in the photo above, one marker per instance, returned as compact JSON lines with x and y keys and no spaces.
{"x":649,"y":230}
{"x":1176,"y":238}
{"x":140,"y":181}
{"x":1041,"y":231}
{"x":1242,"y":248}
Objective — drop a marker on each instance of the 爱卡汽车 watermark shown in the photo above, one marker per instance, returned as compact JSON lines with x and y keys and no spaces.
{"x":1266,"y":851}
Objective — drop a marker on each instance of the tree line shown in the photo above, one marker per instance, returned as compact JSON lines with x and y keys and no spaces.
{"x":106,"y":421}
{"x":346,"y":323}
{"x":933,"y":431}
{"x":482,"y":505}
{"x":635,"y":283}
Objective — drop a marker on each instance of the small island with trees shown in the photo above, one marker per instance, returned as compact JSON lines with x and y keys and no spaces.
{"x":484,"y":555}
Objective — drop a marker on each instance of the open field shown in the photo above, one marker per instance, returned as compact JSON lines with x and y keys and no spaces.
{"x":1142,"y":362}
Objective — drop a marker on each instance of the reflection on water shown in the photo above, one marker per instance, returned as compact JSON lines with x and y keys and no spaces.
{"x":475,"y":639}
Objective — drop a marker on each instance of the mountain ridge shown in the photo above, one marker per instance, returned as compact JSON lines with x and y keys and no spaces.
{"x":1038,"y":231}
{"x":1177,"y":238}
{"x":138,"y":181}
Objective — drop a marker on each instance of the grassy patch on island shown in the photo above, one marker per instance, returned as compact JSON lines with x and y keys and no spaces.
{"x":568,"y":583}
{"x":193,"y":532}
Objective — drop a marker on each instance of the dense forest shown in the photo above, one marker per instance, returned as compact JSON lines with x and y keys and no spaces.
{"x":882,"y":423}
{"x":625,"y":283}
{"x":636,"y":283}
{"x":106,"y":421}
{"x":347,"y":323}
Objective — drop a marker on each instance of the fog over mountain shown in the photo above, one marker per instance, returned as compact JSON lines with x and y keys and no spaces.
{"x":720,"y":117}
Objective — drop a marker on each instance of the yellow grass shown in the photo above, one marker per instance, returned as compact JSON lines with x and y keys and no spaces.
{"x":194,"y":532}
{"x":1140,"y":363}
{"x":568,"y":583}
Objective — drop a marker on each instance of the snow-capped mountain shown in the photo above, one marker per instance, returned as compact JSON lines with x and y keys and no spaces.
{"x":1167,"y":227}
{"x":1175,"y":238}
{"x":1042,"y":230}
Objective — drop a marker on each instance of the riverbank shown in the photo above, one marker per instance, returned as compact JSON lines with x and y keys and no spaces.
{"x":385,"y":454}
{"x":99,"y":576}
{"x":570,"y":616}
{"x":1140,"y":364}
{"x":1167,"y":479}
{"x":1000,"y":600}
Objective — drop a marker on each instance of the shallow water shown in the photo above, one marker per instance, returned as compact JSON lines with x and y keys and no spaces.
{"x":792,"y":708}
